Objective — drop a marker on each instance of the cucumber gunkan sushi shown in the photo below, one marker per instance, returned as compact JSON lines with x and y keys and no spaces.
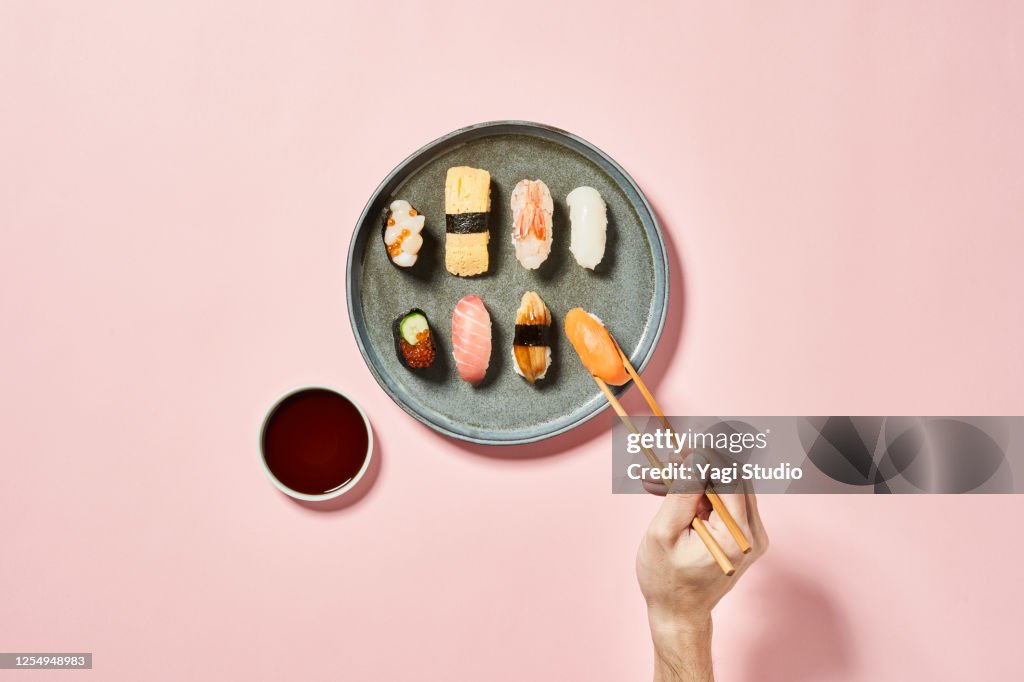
{"x":467,"y":203}
{"x":413,"y":343}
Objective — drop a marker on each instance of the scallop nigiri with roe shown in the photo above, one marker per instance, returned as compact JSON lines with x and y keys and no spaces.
{"x":403,"y":233}
{"x":595,"y":346}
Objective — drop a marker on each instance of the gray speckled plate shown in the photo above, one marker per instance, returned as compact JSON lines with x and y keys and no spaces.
{"x":628,"y":290}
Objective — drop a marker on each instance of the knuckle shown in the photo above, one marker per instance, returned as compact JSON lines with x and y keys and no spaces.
{"x":660,"y":535}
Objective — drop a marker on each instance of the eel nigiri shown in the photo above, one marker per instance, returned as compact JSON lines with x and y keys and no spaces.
{"x":471,"y":339}
{"x":467,"y":202}
{"x":532,"y":207}
{"x":596,"y":347}
{"x":588,"y":215}
{"x":402,"y":233}
{"x":413,"y":343}
{"x":531,"y":346}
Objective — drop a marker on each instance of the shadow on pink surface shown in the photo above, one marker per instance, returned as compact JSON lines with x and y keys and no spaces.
{"x":805,"y":635}
{"x":356,"y":494}
{"x":672,"y":335}
{"x":660,"y":363}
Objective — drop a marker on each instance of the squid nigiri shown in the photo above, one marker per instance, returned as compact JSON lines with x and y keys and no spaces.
{"x":588,"y":215}
{"x":531,"y":346}
{"x":532,"y":208}
{"x":471,"y":339}
{"x":596,"y":347}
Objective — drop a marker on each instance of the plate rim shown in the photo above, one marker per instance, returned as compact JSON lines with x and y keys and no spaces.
{"x":353,"y":268}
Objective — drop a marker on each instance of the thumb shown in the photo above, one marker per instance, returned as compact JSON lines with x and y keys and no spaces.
{"x":675,"y":515}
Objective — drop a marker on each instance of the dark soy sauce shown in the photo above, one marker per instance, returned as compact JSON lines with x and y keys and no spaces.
{"x":315,"y":441}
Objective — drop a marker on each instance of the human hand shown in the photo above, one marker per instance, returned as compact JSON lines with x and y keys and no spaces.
{"x":681,"y":582}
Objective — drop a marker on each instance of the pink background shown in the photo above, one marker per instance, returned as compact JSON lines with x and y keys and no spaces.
{"x":841,"y":186}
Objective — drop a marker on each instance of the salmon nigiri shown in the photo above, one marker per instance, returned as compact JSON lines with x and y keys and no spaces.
{"x":596,"y":348}
{"x":471,"y":339}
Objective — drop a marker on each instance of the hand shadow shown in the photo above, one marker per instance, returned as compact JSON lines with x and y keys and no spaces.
{"x":803,"y":636}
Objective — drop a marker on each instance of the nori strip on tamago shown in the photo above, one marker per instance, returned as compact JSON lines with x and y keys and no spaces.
{"x":465,"y":223}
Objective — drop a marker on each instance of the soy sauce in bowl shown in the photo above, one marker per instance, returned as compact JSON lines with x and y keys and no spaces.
{"x":316,"y":444}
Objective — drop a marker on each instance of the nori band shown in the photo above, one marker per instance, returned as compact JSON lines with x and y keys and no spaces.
{"x":532,"y":335}
{"x":465,"y":223}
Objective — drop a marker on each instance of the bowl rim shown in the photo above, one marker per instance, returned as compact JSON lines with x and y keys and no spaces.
{"x":424,"y":155}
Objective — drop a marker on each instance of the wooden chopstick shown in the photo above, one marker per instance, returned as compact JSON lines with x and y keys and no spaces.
{"x":617,"y":406}
{"x":716,"y":501}
{"x":713,"y":546}
{"x":730,"y":522}
{"x":698,"y":524}
{"x":643,"y":388}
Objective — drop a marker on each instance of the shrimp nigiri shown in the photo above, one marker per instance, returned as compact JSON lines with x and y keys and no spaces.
{"x":532,"y":207}
{"x":596,"y":347}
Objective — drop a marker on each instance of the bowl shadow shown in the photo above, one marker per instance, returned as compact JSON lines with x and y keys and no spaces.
{"x":354,"y":496}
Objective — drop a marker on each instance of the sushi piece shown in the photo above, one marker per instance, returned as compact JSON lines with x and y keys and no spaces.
{"x":588,"y":215}
{"x":413,"y":343}
{"x":467,"y":202}
{"x":531,"y":222}
{"x":531,"y":346}
{"x":596,"y":347}
{"x":402,"y":233}
{"x":471,"y":339}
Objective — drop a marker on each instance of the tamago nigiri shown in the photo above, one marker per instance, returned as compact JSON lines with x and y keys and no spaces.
{"x":467,"y":204}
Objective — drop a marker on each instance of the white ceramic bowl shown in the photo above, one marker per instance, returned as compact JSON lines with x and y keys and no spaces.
{"x":334,"y":493}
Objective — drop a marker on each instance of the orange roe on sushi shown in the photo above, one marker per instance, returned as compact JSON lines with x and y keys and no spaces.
{"x":396,"y":248}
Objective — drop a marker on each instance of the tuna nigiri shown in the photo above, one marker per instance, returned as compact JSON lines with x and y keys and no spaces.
{"x":596,"y":347}
{"x":471,"y":339}
{"x":532,"y":207}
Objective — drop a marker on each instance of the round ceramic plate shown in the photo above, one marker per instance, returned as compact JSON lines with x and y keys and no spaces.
{"x":628,"y":290}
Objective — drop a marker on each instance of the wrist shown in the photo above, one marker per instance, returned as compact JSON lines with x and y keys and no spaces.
{"x":673,"y":627}
{"x":682,"y":648}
